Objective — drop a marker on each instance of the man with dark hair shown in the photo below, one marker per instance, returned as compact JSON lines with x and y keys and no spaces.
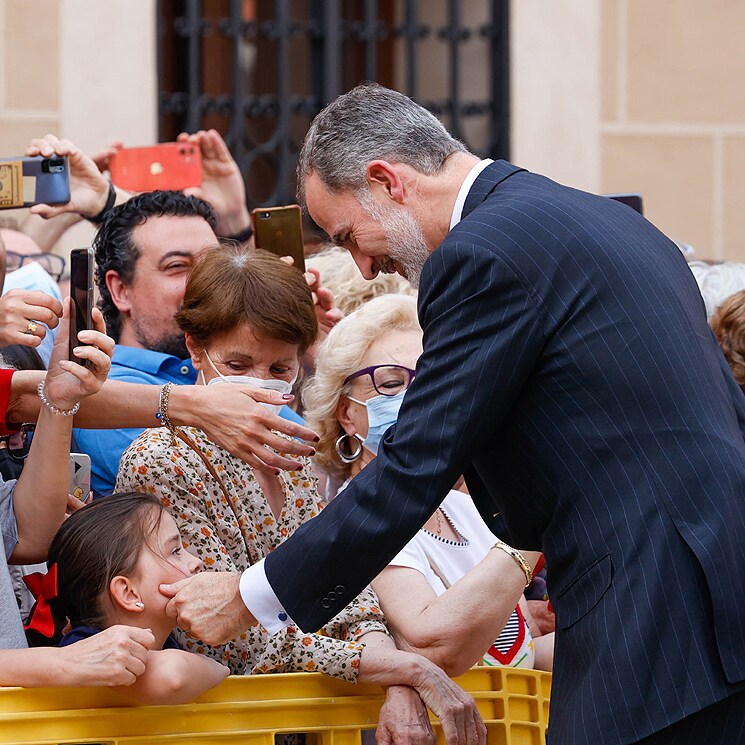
{"x":144,"y":251}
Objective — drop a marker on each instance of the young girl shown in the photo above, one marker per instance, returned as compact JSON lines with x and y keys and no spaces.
{"x":105,"y":565}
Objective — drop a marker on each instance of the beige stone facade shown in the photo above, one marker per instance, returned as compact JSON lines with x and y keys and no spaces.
{"x":608,"y":95}
{"x":639,"y":95}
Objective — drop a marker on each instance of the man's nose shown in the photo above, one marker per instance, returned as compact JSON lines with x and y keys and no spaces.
{"x":366,"y":265}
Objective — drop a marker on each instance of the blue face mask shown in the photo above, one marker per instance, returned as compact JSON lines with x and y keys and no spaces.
{"x":382,"y":412}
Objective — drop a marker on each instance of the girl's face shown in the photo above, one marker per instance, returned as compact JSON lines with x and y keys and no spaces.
{"x":243,"y":351}
{"x":163,"y":560}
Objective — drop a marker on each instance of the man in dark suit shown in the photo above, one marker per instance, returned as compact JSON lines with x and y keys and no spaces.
{"x":569,"y":372}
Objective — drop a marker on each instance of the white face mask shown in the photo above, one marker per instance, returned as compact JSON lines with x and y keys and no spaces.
{"x":272,"y":384}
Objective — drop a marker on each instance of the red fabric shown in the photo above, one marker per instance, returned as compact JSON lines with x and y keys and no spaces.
{"x":44,"y":588}
{"x":5,"y":376}
{"x":539,"y":564}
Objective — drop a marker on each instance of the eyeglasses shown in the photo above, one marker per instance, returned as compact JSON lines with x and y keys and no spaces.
{"x":53,"y":264}
{"x":19,"y":443}
{"x":387,"y":380}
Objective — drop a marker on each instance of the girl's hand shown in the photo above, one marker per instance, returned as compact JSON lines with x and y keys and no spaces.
{"x":67,"y":382}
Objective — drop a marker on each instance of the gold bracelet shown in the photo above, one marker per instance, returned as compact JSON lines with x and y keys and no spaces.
{"x":518,"y":557}
{"x":162,"y":414}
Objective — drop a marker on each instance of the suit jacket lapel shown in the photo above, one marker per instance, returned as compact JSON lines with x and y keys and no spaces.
{"x":486,"y":182}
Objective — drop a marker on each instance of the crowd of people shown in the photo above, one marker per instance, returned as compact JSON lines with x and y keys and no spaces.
{"x":190,"y":474}
{"x":229,"y":399}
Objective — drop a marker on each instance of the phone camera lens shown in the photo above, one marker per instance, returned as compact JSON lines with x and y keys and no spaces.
{"x":264,"y":215}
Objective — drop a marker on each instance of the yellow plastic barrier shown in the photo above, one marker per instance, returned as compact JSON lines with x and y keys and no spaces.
{"x":251,"y":710}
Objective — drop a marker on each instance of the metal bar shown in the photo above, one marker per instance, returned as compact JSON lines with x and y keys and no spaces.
{"x":237,"y":127}
{"x":161,"y":30}
{"x":285,"y":159}
{"x":411,"y":24}
{"x":332,"y":84}
{"x":454,"y":67}
{"x":193,"y":12}
{"x":371,"y":39}
{"x":500,"y":79}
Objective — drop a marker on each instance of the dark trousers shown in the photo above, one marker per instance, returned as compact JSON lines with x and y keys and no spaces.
{"x":722,"y":723}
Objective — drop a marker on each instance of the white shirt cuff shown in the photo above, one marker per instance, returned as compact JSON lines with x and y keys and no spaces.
{"x":259,"y":598}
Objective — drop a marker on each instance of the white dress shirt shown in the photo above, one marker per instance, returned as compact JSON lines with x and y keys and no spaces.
{"x":256,"y":592}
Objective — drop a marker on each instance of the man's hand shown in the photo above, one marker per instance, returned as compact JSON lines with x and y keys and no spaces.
{"x":22,"y":313}
{"x":232,"y":416}
{"x":89,"y":189}
{"x":404,"y":719}
{"x":222,"y":182}
{"x":209,"y":605}
{"x":115,"y":657}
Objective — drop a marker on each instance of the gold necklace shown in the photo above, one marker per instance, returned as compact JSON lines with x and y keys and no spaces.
{"x":438,"y":516}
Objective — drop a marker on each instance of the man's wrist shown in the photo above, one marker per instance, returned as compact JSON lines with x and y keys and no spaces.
{"x":235,"y":226}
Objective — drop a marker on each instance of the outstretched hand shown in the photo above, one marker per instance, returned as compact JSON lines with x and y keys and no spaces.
{"x":67,"y":382}
{"x":89,"y":189}
{"x":222,"y":182}
{"x":22,"y":315}
{"x":209,"y":605}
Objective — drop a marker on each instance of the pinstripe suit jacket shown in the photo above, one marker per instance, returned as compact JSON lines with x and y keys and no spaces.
{"x":569,"y":372}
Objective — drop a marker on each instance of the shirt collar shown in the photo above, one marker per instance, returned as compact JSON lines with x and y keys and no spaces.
{"x":145,"y":360}
{"x":465,"y":188}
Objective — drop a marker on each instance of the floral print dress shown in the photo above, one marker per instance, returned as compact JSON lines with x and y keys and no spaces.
{"x":226,"y":521}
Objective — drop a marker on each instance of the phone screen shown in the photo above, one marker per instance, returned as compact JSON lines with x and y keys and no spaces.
{"x":81,"y":291}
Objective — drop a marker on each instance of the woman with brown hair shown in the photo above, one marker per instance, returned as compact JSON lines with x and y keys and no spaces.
{"x":247,"y":317}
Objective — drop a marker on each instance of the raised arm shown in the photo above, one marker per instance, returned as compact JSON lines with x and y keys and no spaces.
{"x":40,"y":495}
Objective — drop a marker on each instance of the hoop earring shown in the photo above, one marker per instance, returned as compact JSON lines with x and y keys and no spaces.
{"x":352,"y":456}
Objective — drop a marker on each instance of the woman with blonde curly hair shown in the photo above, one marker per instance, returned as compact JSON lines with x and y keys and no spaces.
{"x":728,"y":323}
{"x":437,"y":594}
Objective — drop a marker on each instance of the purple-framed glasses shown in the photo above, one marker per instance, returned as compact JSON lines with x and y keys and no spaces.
{"x":387,"y":380}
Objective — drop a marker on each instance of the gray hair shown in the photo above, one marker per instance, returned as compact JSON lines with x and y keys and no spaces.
{"x":367,"y":123}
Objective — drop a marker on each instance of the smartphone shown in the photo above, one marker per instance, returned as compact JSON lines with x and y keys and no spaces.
{"x":80,"y":476}
{"x":630,"y":200}
{"x":280,"y":230}
{"x":81,"y":292}
{"x":170,"y":165}
{"x":25,"y":181}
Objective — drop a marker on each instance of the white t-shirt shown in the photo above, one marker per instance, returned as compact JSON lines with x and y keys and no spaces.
{"x":514,"y":645}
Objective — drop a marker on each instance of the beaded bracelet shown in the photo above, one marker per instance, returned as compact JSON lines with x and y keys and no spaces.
{"x":165,"y":391}
{"x":518,"y":557}
{"x":41,"y":390}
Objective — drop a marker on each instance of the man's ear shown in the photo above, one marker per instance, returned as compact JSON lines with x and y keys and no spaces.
{"x":384,"y":181}
{"x":195,"y":351}
{"x":124,"y":595}
{"x":119,"y":291}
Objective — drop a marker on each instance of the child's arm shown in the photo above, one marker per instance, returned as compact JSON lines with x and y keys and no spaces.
{"x":173,"y":676}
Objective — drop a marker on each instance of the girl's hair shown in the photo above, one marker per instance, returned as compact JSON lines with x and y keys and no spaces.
{"x":94,"y":545}
{"x":340,"y":355}
{"x":232,"y":285}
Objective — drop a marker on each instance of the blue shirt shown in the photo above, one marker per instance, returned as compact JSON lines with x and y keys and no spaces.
{"x":134,"y":365}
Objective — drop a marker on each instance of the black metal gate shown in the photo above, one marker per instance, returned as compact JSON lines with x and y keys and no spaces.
{"x":259,"y":70}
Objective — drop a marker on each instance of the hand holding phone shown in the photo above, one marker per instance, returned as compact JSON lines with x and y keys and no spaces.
{"x":81,"y":292}
{"x":280,"y":230}
{"x":29,"y":180}
{"x":170,"y":165}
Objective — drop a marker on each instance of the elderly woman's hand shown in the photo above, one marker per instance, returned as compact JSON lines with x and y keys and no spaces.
{"x":68,"y":382}
{"x":404,"y":719}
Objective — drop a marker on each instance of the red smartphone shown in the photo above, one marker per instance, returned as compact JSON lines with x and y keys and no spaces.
{"x":81,"y":292}
{"x":170,"y":165}
{"x":280,"y":230}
